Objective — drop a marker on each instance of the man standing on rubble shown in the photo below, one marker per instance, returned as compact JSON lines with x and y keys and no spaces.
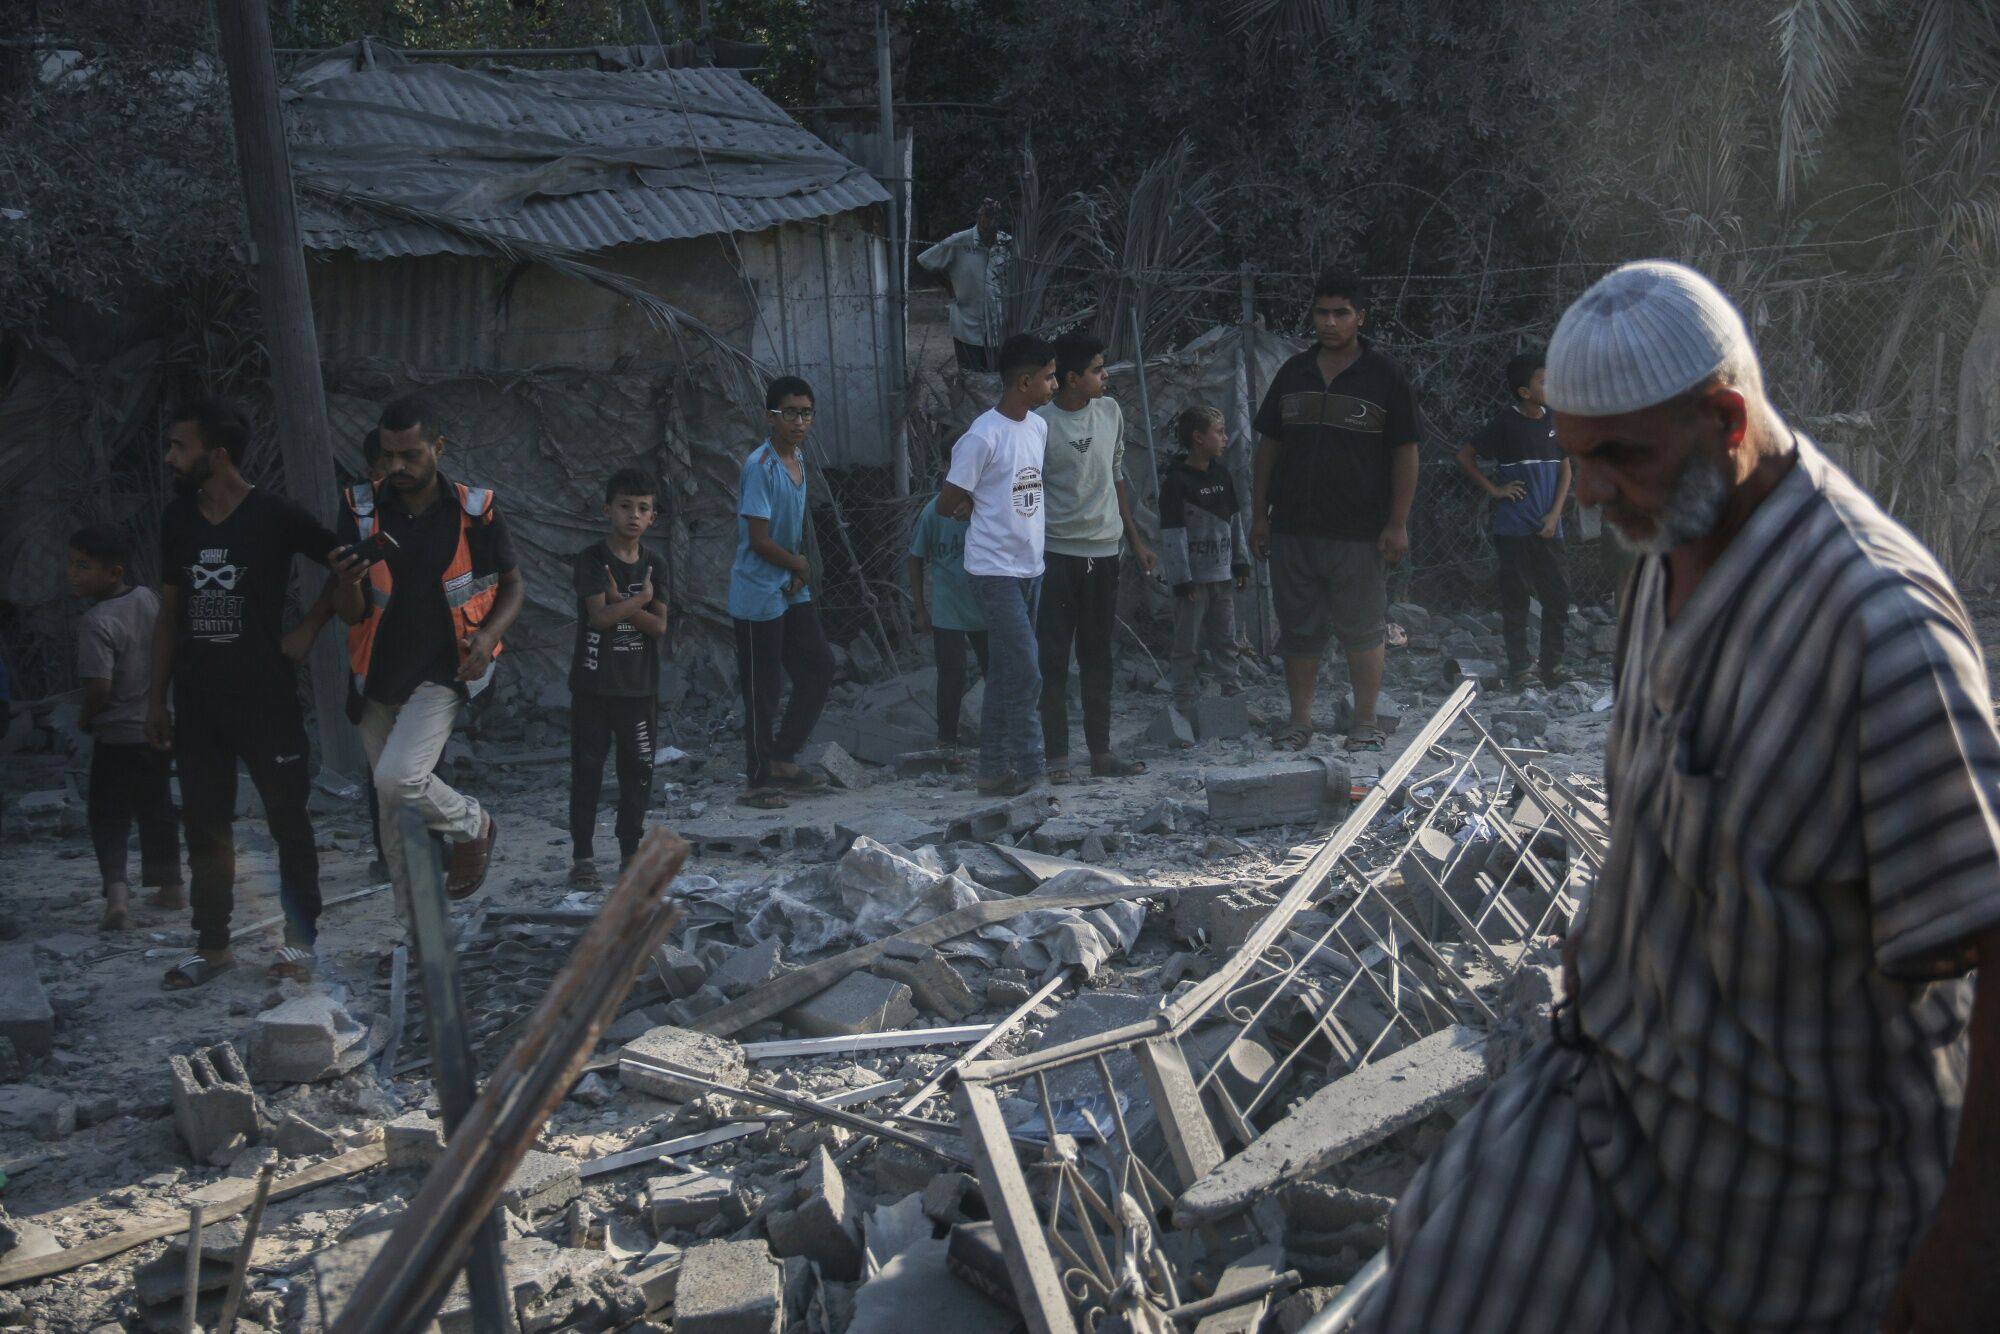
{"x":973,"y":265}
{"x":1750,"y":1115}
{"x":426,"y":614}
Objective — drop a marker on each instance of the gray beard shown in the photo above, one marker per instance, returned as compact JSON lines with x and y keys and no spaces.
{"x":1693,"y":509}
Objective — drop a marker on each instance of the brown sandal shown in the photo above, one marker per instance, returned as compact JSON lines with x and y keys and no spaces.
{"x":1293,"y":737}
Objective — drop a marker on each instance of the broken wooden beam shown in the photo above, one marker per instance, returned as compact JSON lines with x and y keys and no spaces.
{"x":408,"y":1279}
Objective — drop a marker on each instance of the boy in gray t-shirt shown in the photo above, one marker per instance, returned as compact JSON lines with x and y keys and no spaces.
{"x":128,"y":777}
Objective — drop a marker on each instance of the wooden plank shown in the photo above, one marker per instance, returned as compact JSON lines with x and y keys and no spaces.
{"x":346,"y":1165}
{"x":1352,"y":1113}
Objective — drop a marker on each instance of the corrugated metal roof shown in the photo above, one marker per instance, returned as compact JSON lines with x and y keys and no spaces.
{"x":582,"y":159}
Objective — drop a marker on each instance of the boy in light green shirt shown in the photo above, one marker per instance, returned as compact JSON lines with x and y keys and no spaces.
{"x":1089,"y":516}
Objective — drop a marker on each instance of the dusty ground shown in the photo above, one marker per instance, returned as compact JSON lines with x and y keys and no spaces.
{"x":125,"y":1166}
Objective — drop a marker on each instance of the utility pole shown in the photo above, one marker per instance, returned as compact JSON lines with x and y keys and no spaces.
{"x":897,"y":179}
{"x":243,"y":31}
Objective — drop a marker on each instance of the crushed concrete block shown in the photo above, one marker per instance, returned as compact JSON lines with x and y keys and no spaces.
{"x":688,"y":1200}
{"x":44,"y":1114}
{"x":710,"y":1057}
{"x":543,"y":1183}
{"x":1218,"y":717}
{"x":679,"y":971}
{"x":1465,"y":667}
{"x":1523,"y":724}
{"x":658,"y":1277}
{"x":413,"y":1140}
{"x":1252,"y":796}
{"x":26,"y":1017}
{"x":1061,"y":835}
{"x":629,"y":1026}
{"x":296,"y":1137}
{"x":937,"y":986}
{"x":683,"y":1013}
{"x":306,"y":1039}
{"x":212,"y":1099}
{"x":728,"y":1287}
{"x":858,"y":1003}
{"x":838,"y":765}
{"x":1015,"y":816}
{"x":925,"y":762}
{"x":748,"y":968}
{"x":894,"y":828}
{"x":900,"y":1170}
{"x":823,"y":1228}
{"x":1220,"y":917}
{"x":736,"y":838}
{"x":947,"y":1196}
{"x":1165,"y":817}
{"x":1007,"y":988}
{"x":1169,"y":728}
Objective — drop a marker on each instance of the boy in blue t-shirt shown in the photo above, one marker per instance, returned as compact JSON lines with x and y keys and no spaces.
{"x":1530,"y":486}
{"x":951,"y":612}
{"x":778,"y":634}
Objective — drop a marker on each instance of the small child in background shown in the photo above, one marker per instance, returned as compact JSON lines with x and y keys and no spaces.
{"x":1204,"y":551}
{"x":128,"y":777}
{"x":951,"y":613}
{"x":614,"y":677}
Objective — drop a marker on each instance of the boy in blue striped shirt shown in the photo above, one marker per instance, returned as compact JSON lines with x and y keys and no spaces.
{"x":1529,"y":486}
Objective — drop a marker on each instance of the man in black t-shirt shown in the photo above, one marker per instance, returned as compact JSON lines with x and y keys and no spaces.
{"x":426,"y":624}
{"x":614,"y":673}
{"x":226,"y":553}
{"x":1336,"y":470}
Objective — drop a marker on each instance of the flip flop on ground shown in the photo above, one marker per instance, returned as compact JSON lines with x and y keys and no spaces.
{"x":1112,"y":766}
{"x":1293,"y":737}
{"x":294,"y":962}
{"x":1365,"y":737}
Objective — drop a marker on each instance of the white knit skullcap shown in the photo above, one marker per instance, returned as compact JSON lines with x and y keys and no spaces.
{"x":1642,"y":334}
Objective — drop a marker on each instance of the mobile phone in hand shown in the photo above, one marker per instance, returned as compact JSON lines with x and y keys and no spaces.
{"x":376,"y":546}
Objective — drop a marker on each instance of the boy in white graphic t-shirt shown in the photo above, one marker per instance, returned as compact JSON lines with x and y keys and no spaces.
{"x":996,"y":482}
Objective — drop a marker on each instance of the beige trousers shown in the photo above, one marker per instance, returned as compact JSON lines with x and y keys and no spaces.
{"x":403,"y":744}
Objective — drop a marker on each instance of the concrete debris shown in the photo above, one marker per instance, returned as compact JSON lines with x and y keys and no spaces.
{"x":728,"y":1287}
{"x":859,"y":1003}
{"x":936,"y":985}
{"x":834,"y":761}
{"x":891,"y":828}
{"x":680,"y":972}
{"x":1256,"y":1269}
{"x":916,"y":1290}
{"x":691,"y":1200}
{"x":296,"y":1137}
{"x":26,"y":1017}
{"x":44,"y":1114}
{"x":823,"y":1227}
{"x":1170,"y":728}
{"x":748,"y":968}
{"x":712,"y":1058}
{"x":306,"y":1039}
{"x":1254,"y":796}
{"x":212,"y":1100}
{"x":1007,"y":988}
{"x":1220,"y":717}
{"x":885,"y":889}
{"x":413,"y":1140}
{"x":542,"y":1184}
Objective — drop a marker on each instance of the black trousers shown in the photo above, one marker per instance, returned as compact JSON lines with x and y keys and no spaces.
{"x":972,"y":357}
{"x":212,"y":734}
{"x":601,"y":725}
{"x":767,"y":652}
{"x":1532,"y":566}
{"x":949,"y":649}
{"x":128,"y":784}
{"x":1079,"y":609}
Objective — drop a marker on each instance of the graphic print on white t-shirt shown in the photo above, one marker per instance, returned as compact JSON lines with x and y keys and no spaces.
{"x":215,"y":608}
{"x":1028,"y":491}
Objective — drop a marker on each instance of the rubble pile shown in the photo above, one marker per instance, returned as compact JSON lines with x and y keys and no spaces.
{"x":810,"y":1107}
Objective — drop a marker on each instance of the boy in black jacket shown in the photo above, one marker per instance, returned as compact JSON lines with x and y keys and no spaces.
{"x":1204,"y":551}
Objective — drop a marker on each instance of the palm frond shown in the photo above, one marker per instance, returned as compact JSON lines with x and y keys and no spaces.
{"x":1047,"y":242}
{"x":1282,"y":23}
{"x":1818,"y":41}
{"x":1147,"y":240}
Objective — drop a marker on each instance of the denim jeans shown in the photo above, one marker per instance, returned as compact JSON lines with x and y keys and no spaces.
{"x":1010,"y":726}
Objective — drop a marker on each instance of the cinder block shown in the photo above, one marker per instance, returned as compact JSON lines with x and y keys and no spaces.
{"x":1016,"y":816}
{"x":1251,"y":796}
{"x":688,"y":1200}
{"x":1221,"y":918}
{"x":859,"y":1003}
{"x":711,"y":1057}
{"x":680,"y":972}
{"x":894,"y":828}
{"x":212,"y":1098}
{"x":822,"y":1228}
{"x":936,"y":985}
{"x":728,"y":1287}
{"x":305,"y":1039}
{"x":841,"y":767}
{"x":1062,"y":835}
{"x":748,"y":968}
{"x":542,"y":1183}
{"x":26,"y":1016}
{"x":413,"y":1140}
{"x":1220,"y":716}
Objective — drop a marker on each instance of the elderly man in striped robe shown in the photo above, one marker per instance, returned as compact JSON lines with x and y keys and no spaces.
{"x":1772,"y":1097}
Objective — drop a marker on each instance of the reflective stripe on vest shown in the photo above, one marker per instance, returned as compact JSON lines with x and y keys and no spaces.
{"x":468,"y":597}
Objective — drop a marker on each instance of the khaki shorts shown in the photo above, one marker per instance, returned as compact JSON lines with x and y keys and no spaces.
{"x":1327,"y":588}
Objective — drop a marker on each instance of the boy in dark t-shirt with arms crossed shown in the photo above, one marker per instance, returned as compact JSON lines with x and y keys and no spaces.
{"x":615,"y":673}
